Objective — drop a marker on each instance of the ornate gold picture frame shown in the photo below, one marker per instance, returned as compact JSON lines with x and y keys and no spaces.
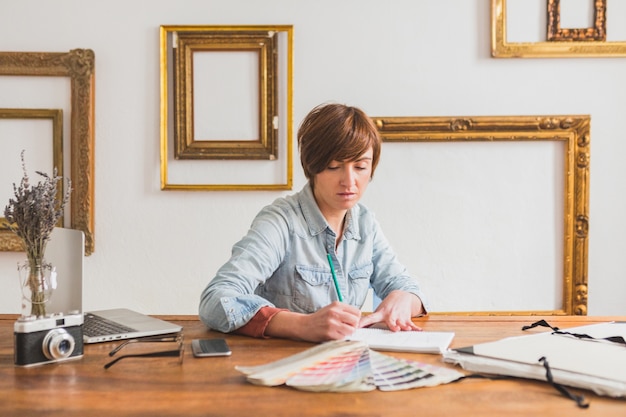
{"x":261,"y":43}
{"x":79,"y":66}
{"x":576,"y":46}
{"x":595,"y":33}
{"x":263,"y":162}
{"x":573,"y":131}
{"x":8,"y":240}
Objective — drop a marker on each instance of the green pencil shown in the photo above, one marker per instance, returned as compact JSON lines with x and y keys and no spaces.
{"x":332,"y":271}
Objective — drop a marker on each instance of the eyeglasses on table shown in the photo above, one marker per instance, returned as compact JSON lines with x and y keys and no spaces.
{"x":175,"y":338}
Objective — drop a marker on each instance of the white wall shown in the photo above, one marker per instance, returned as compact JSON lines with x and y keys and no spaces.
{"x":156,"y":250}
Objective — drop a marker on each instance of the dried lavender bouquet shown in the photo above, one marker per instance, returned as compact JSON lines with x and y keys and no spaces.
{"x":32,"y":215}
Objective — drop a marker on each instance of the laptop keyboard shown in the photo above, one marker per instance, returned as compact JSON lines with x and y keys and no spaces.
{"x":99,"y":326}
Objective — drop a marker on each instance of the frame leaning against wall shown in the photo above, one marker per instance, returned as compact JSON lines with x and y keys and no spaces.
{"x":79,"y":66}
{"x":8,"y":240}
{"x":178,"y":44}
{"x":567,"y":45}
{"x":574,"y":131}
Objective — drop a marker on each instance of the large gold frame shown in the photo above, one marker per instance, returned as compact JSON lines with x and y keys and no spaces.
{"x":79,"y":66}
{"x":261,"y":42}
{"x":266,"y":148}
{"x":574,"y":131}
{"x":8,"y":240}
{"x":501,"y":48}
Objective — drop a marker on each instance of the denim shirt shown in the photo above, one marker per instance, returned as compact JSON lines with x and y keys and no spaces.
{"x":282,"y":262}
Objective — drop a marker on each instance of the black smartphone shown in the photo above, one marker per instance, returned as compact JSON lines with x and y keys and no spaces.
{"x":209,"y":347}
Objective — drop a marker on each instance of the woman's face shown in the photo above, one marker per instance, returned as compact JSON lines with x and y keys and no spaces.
{"x":342,"y":184}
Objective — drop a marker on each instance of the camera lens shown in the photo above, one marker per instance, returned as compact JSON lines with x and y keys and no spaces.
{"x":58,"y":344}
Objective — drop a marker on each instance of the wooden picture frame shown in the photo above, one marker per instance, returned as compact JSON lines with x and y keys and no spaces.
{"x":572,"y":131}
{"x":595,"y":33}
{"x":8,"y":240}
{"x":216,"y":164}
{"x":79,"y":66}
{"x":264,"y":46}
{"x":502,"y":48}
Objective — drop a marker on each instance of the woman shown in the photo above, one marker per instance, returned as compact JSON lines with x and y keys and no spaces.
{"x":279,"y":280}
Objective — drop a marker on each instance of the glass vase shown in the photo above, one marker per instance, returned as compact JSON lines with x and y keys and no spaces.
{"x":37,"y":282}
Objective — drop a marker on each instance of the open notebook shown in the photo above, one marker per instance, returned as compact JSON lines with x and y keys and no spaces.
{"x":408,"y":341}
{"x":65,"y":251}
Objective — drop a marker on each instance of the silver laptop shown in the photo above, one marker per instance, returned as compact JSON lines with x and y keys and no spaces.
{"x":65,"y":251}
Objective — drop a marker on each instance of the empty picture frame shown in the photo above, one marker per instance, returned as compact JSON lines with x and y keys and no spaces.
{"x":595,"y":33}
{"x":449,"y":258}
{"x":79,"y":66}
{"x":572,"y":47}
{"x":233,"y":135}
{"x":8,"y":240}
{"x":259,"y":46}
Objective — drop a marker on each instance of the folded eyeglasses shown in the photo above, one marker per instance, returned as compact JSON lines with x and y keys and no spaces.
{"x":177,"y":338}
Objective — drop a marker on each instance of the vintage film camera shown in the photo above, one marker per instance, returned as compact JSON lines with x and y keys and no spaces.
{"x":53,"y":338}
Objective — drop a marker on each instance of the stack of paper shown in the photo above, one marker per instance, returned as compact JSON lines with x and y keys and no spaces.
{"x":593,"y":364}
{"x":347,"y":366}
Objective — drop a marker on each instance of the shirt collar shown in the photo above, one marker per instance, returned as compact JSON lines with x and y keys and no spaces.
{"x":315,"y":219}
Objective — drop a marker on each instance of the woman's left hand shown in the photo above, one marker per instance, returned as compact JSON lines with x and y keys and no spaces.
{"x":396,"y":311}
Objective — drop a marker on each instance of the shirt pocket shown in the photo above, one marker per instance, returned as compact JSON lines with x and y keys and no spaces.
{"x":312,"y":288}
{"x":359,"y":281}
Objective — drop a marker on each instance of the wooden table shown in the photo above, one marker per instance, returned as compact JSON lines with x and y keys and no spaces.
{"x":212,"y":386}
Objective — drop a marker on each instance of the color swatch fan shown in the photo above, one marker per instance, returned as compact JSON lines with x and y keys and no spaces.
{"x":347,"y":366}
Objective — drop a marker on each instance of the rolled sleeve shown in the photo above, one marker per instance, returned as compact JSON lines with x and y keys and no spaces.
{"x":227,"y":314}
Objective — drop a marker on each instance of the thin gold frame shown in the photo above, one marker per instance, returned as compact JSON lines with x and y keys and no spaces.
{"x":574,"y":131}
{"x":501,"y":48}
{"x":165,"y":32}
{"x":265,"y":45}
{"x":79,"y":66}
{"x":8,"y":240}
{"x":595,"y":33}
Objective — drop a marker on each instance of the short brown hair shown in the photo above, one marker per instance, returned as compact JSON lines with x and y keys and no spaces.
{"x":336,"y":132}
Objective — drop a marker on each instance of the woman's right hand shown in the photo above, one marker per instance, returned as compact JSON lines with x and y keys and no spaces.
{"x":333,"y":322}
